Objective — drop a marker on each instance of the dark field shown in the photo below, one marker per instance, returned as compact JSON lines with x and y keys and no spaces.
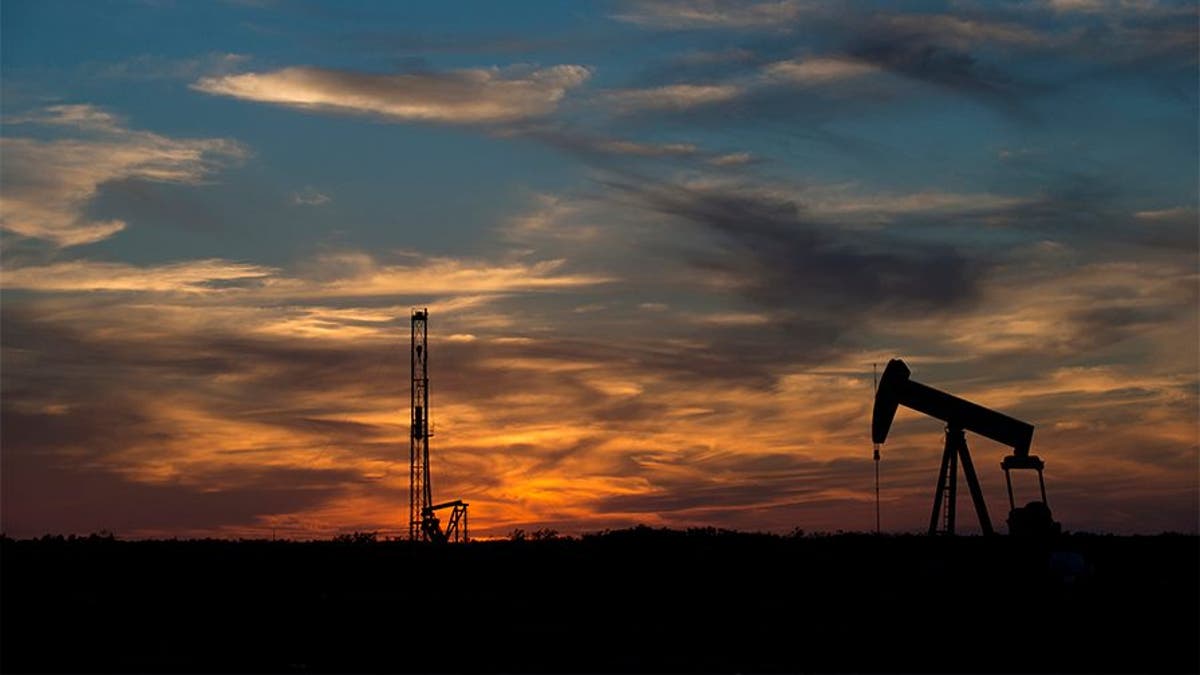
{"x":628,"y":601}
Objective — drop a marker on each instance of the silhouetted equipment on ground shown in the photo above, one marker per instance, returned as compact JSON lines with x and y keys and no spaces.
{"x":875,"y":454}
{"x":456,"y":529}
{"x":423,"y":523}
{"x":895,"y":389}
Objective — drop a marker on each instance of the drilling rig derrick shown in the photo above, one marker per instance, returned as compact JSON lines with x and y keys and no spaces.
{"x":423,"y":523}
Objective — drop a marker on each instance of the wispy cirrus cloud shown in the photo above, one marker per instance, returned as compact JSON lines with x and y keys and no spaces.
{"x":198,"y":276}
{"x":712,"y":14}
{"x":823,"y":74}
{"x":589,"y":144}
{"x":310,"y":196}
{"x":78,"y":116}
{"x":147,"y":67}
{"x":965,"y":32}
{"x":357,"y":274}
{"x":469,"y":96}
{"x":347,"y":274}
{"x":1175,"y":215}
{"x":845,"y":202}
{"x":606,"y":150}
{"x":49,"y":183}
{"x":1117,"y":8}
{"x":980,"y":52}
{"x":732,"y":159}
{"x":671,"y":97}
{"x":624,"y":147}
{"x":818,"y":70}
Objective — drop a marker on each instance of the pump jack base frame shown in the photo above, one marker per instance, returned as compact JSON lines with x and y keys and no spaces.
{"x":1032,"y":519}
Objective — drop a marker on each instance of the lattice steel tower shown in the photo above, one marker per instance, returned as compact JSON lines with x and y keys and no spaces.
{"x":419,"y":490}
{"x":423,"y":523}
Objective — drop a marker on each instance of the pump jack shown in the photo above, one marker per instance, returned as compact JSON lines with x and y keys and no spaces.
{"x":960,"y":415}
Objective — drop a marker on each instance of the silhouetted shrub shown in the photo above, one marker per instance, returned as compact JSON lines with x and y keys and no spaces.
{"x":357,"y":538}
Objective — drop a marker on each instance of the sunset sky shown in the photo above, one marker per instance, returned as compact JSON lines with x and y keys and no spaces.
{"x":661,"y":244}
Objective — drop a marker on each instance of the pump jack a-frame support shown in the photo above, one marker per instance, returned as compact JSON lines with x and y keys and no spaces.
{"x":947,"y":485}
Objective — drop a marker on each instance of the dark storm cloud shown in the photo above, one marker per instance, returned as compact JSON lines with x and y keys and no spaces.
{"x":941,"y":50}
{"x":1087,"y":210}
{"x":1102,"y":325}
{"x":953,"y":70}
{"x":1001,"y":56}
{"x":781,"y":259}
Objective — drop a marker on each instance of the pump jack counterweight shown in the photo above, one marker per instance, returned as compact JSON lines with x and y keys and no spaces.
{"x":895,"y":389}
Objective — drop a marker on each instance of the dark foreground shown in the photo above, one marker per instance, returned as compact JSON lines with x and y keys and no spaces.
{"x":629,"y":601}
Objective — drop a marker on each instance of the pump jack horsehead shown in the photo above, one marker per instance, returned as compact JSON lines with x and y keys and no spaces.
{"x":960,"y":415}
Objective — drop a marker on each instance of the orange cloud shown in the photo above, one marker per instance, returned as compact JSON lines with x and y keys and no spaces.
{"x":285,"y":394}
{"x":197,"y":276}
{"x":341,"y":275}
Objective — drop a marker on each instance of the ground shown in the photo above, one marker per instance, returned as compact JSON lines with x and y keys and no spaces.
{"x":639,"y":600}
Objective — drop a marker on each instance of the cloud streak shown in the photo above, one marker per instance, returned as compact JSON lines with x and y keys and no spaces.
{"x":469,"y":96}
{"x":818,"y":70}
{"x":712,"y":14}
{"x":49,"y":183}
{"x":776,"y":256}
{"x":198,"y":276}
{"x":310,"y":196}
{"x":329,"y":276}
{"x":672,"y":97}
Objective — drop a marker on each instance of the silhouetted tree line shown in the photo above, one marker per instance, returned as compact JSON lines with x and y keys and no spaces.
{"x":358,"y":538}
